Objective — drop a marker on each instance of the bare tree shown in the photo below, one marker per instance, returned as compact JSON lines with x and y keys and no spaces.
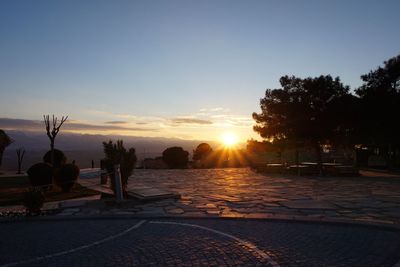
{"x":53,"y":132}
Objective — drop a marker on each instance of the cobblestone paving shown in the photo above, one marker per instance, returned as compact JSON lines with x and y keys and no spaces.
{"x":241,"y":192}
{"x":196,"y":242}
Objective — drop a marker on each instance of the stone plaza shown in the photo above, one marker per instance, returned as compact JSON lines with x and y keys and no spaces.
{"x":243,"y":193}
{"x":224,"y":217}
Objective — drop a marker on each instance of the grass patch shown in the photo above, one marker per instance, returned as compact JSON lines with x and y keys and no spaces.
{"x":13,"y":181}
{"x":13,"y":195}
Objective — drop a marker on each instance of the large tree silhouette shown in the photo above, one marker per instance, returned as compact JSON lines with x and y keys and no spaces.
{"x":380,"y":102}
{"x":301,"y":112}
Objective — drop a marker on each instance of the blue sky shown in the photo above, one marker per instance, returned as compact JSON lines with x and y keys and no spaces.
{"x":186,"y":69}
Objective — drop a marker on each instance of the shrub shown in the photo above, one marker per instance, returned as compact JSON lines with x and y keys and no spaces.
{"x":202,"y":151}
{"x":66,"y":176}
{"x":40,"y":174}
{"x":33,"y":200}
{"x":117,"y":154}
{"x":59,"y":158}
{"x":176,"y":157}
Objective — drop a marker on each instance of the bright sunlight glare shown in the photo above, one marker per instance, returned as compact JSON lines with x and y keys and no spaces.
{"x":229,"y":139}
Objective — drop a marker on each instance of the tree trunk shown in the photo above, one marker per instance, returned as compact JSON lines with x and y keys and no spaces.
{"x":1,"y":155}
{"x":52,"y":152}
{"x":296,"y":155}
{"x":318,"y":156}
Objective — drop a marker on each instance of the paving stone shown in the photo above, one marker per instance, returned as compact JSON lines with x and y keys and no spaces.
{"x":213,"y":212}
{"x":307,"y":204}
{"x":206,"y":206}
{"x":65,"y":214}
{"x":259,"y":215}
{"x":124,"y":213}
{"x":71,"y":210}
{"x":72,"y":204}
{"x":175,"y":211}
{"x":195,"y":214}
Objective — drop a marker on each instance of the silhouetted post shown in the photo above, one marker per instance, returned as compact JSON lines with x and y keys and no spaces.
{"x":118,"y":185}
{"x":20,"y":155}
{"x":92,"y":164}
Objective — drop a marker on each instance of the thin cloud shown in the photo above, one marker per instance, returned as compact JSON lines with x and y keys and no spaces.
{"x":83,"y":126}
{"x":35,"y":125}
{"x":217,"y":109}
{"x":116,"y":122}
{"x":191,"y":121}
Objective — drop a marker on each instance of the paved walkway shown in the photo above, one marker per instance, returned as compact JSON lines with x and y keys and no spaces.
{"x":373,"y":197}
{"x":203,"y":241}
{"x":242,"y":193}
{"x":194,"y":242}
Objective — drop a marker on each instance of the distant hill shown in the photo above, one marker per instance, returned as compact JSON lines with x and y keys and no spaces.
{"x":84,"y":147}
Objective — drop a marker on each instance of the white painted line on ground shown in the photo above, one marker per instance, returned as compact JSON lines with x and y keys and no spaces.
{"x":241,"y":242}
{"x":77,"y":248}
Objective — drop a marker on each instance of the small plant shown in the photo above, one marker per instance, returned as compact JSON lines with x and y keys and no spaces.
{"x":40,"y":174}
{"x":33,"y":200}
{"x":117,"y":154}
{"x":59,"y":158}
{"x":66,"y":176}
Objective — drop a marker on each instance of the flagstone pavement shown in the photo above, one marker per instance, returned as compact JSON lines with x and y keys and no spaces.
{"x":188,"y":235}
{"x":243,"y":193}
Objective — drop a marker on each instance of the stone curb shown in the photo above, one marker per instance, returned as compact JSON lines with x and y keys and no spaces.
{"x":295,"y":219}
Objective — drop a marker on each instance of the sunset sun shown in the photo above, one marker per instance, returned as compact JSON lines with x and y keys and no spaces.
{"x":229,"y":139}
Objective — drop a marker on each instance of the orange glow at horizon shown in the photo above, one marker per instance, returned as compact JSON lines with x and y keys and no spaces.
{"x":229,"y":139}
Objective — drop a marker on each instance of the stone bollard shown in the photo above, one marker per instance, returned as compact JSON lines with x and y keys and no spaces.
{"x":118,"y":184}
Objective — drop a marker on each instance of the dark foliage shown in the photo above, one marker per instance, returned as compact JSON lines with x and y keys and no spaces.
{"x":59,"y":158}
{"x":176,"y":157}
{"x":380,"y":106}
{"x":33,"y":201}
{"x":66,"y":176}
{"x":5,"y":141}
{"x":118,"y":154}
{"x":40,"y":174}
{"x":202,"y":151}
{"x":300,"y":113}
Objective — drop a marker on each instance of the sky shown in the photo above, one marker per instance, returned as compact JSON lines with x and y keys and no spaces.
{"x":181,"y":69}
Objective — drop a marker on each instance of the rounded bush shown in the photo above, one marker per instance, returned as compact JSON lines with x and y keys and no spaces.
{"x":59,"y":158}
{"x":33,"y":201}
{"x":40,"y":174}
{"x":176,"y":157}
{"x":67,"y":176}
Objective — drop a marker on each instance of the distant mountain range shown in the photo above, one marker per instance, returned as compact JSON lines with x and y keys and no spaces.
{"x":83,"y":148}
